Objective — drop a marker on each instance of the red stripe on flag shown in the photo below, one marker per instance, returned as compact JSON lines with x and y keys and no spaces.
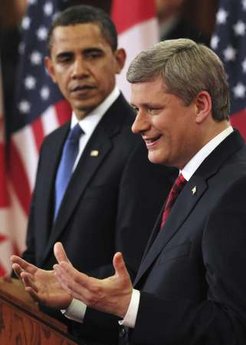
{"x":19,"y":178}
{"x":127,"y":13}
{"x":2,"y":271}
{"x":63,"y":110}
{"x":2,"y":238}
{"x":38,"y":132}
{"x":238,"y":120}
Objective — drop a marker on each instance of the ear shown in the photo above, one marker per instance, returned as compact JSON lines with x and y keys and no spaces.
{"x":50,"y":67}
{"x":203,"y":105}
{"x":120,"y":58}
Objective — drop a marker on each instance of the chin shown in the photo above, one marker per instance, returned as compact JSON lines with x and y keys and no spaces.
{"x":155,"y":159}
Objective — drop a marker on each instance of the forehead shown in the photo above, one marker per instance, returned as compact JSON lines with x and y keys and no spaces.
{"x":148,"y":91}
{"x":78,"y":35}
{"x":153,"y":93}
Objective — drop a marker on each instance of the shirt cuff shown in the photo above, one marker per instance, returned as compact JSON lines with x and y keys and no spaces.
{"x":75,"y":311}
{"x":132,"y":311}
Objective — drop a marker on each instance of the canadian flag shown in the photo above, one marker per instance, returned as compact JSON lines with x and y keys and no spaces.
{"x":137,"y":28}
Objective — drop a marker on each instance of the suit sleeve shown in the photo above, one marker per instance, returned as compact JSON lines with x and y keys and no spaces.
{"x":29,"y":253}
{"x":220,"y":318}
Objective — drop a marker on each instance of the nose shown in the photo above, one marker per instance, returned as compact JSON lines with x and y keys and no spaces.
{"x":79,"y":68}
{"x":141,"y":123}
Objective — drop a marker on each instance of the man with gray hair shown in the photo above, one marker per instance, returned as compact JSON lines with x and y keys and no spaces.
{"x":190,"y":288}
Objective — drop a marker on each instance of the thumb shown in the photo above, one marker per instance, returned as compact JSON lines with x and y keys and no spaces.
{"x":60,"y":253}
{"x":119,"y":265}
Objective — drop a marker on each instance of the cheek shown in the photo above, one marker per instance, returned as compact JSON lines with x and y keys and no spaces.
{"x":61,"y":81}
{"x":105,"y":73}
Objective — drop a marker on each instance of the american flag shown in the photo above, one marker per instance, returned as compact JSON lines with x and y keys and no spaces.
{"x":39,"y":109}
{"x":229,"y":42}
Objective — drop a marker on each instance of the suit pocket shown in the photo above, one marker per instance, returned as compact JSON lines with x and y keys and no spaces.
{"x":175,"y":252}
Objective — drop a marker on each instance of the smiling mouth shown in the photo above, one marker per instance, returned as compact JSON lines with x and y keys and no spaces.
{"x":151,"y":141}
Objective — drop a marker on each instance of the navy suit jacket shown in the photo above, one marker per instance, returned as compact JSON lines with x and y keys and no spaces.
{"x":110,"y":204}
{"x":192,"y":277}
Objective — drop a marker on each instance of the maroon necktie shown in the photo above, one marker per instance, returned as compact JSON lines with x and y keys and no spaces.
{"x":172,"y":196}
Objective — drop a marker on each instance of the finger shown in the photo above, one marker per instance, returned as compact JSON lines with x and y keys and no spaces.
{"x":17,"y":269}
{"x":34,"y":294}
{"x":62,"y":277}
{"x":25,"y":266}
{"x":119,"y":265}
{"x":65,"y":271}
{"x":73,"y":275}
{"x":28,"y":281}
{"x":60,"y":253}
{"x":72,"y":278}
{"x":69,"y":282}
{"x":31,"y":288}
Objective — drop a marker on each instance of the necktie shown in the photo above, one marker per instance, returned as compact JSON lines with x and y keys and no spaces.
{"x":172,"y":196}
{"x":64,"y":172}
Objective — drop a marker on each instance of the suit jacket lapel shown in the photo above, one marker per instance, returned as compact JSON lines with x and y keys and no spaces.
{"x":88,"y":165}
{"x":187,"y":200}
{"x":51,"y":166}
{"x":185,"y":203}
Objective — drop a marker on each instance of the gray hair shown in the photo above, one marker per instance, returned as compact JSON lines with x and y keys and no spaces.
{"x":186,"y":68}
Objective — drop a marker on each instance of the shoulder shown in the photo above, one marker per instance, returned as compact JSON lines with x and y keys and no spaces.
{"x":56,"y":134}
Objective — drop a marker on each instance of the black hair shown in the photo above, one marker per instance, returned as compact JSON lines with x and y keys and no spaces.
{"x":85,"y":14}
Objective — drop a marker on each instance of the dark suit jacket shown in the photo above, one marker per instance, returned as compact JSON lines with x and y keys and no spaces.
{"x":110,"y":204}
{"x":192,"y":275}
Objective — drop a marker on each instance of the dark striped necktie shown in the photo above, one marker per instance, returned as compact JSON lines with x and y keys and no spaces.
{"x":172,"y":196}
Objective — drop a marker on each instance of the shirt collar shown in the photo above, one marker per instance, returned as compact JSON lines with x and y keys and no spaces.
{"x":90,"y":121}
{"x":202,"y":154}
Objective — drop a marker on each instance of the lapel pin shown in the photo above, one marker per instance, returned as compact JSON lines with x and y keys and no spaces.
{"x":193,"y":190}
{"x":94,"y":153}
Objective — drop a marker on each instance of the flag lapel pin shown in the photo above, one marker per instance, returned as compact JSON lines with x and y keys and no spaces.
{"x":193,"y":190}
{"x":94,"y":153}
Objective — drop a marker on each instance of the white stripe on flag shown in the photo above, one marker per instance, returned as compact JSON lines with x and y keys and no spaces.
{"x":17,"y":221}
{"x":49,"y":120}
{"x":26,"y":146}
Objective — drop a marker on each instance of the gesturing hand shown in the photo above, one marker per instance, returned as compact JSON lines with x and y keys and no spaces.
{"x":42,"y":285}
{"x":110,"y":295}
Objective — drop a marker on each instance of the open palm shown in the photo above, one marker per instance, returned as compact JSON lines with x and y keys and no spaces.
{"x":42,"y":285}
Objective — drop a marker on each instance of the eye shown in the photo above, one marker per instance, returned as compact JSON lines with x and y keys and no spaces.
{"x":93,"y":54}
{"x":64,"y":58}
{"x":153,"y":111}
